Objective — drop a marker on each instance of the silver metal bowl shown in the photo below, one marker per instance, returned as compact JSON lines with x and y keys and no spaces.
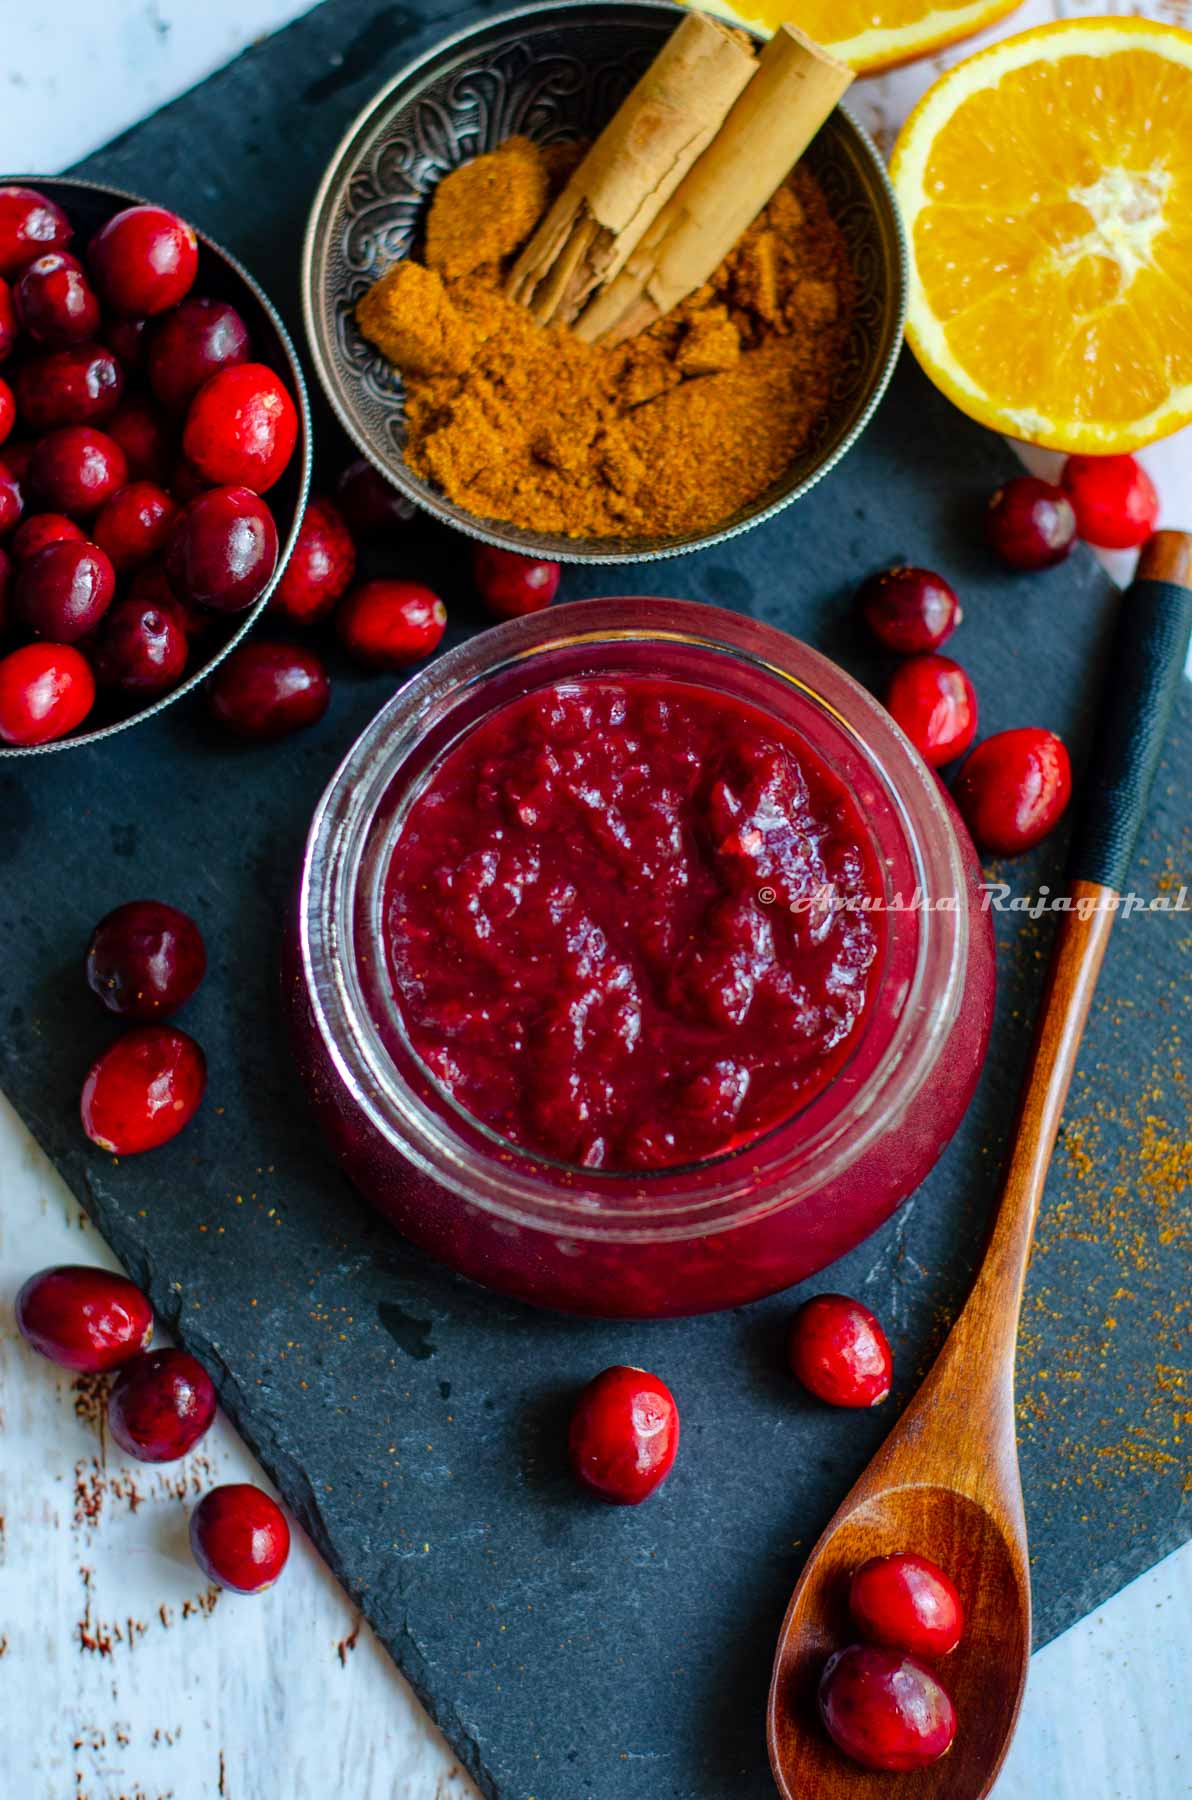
{"x":556,"y":72}
{"x":88,"y":205}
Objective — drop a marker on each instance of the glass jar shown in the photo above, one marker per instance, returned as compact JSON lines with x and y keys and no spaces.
{"x":672,"y":1240}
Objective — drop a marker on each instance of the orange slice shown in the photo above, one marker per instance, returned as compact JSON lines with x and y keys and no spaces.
{"x":1046,"y":189}
{"x":870,"y":35}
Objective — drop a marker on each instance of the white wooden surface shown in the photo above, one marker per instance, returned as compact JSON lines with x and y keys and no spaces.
{"x":122,"y":1675}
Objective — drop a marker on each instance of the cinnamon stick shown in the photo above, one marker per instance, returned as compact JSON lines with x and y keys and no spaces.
{"x":633,"y":168}
{"x":795,"y":88}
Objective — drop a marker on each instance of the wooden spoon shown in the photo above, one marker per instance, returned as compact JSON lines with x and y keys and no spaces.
{"x":946,"y":1483}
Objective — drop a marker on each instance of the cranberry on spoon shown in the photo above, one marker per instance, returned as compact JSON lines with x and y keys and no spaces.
{"x":885,"y":1710}
{"x":84,"y":1318}
{"x":906,"y":1602}
{"x":239,"y":1538}
{"x":162,"y":1403}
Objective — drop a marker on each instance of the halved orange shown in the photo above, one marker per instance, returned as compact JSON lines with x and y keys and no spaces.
{"x":870,"y":35}
{"x":1046,"y":189}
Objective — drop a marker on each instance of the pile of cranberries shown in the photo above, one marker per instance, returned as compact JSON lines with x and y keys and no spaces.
{"x":137,"y":436}
{"x":160,"y":1405}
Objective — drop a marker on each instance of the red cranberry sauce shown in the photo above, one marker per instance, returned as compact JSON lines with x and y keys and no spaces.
{"x":607,"y":926}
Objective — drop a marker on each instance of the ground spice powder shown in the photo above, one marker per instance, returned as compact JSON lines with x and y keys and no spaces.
{"x":669,"y":433}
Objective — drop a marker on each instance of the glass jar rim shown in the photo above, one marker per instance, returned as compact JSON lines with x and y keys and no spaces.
{"x":590,"y":1204}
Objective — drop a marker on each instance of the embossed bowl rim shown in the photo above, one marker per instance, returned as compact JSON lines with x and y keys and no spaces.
{"x":56,"y":187}
{"x":363,"y":132}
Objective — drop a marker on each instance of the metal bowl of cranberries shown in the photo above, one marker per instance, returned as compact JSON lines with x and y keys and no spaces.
{"x":155,"y":457}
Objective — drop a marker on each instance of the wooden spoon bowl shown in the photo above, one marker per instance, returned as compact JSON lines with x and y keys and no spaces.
{"x":984,"y":1675}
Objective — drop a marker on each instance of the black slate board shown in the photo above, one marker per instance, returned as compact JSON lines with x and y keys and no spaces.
{"x":414,"y":1423}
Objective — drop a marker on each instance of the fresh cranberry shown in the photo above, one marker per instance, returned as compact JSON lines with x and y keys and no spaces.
{"x":1114,"y":500}
{"x":29,"y":224}
{"x":239,"y":1538}
{"x":145,"y":441}
{"x":266,"y":690}
{"x":84,"y":1318}
{"x":624,"y":1435}
{"x":151,"y":585}
{"x":909,"y":610}
{"x":135,"y":524}
{"x":125,"y":338}
{"x":839,"y":1352}
{"x":143,"y":1090}
{"x":884,"y":1709}
{"x":145,"y":959}
{"x":12,"y":503}
{"x":320,"y":568}
{"x":141,"y":649}
{"x":40,"y":529}
{"x":8,"y":411}
{"x":906,"y":1603}
{"x":8,"y":321}
{"x":161,"y":1404}
{"x":223,"y":550}
{"x":191,"y":344}
{"x":1013,"y":789}
{"x":78,"y":386}
{"x":241,"y":428}
{"x":1030,"y":524}
{"x":371,"y":506}
{"x":933,"y":700}
{"x":76,"y":468}
{"x":45,"y":691}
{"x":143,"y":260}
{"x":6,"y":579}
{"x":64,"y":591}
{"x":388,"y":624}
{"x":511,"y":585}
{"x":55,"y":302}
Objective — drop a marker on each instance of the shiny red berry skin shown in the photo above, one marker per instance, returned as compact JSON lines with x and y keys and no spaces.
{"x":8,"y":411}
{"x":76,"y":468}
{"x":151,"y":586}
{"x":388,"y":624}
{"x":320,"y":568}
{"x":223,"y":550}
{"x":83,"y":1318}
{"x":1030,"y":524}
{"x":142,"y":649}
{"x":29,"y":225}
{"x":40,"y":529}
{"x":12,"y":500}
{"x":909,"y":610}
{"x":135,"y":524}
{"x":511,"y":585}
{"x":1114,"y":500}
{"x":839,"y":1352}
{"x":239,"y":1538}
{"x":160,"y":1405}
{"x":906,"y":1603}
{"x":885,"y":1709}
{"x":267,"y":690}
{"x":934,"y":702}
{"x":624,"y":1435}
{"x":241,"y":428}
{"x":1013,"y":789}
{"x":143,"y":1089}
{"x":8,"y":321}
{"x":125,"y":338}
{"x":63,"y":592}
{"x":145,"y":959}
{"x":145,"y":441}
{"x":55,"y":303}
{"x":194,"y":342}
{"x":81,"y":385}
{"x":371,"y":506}
{"x":143,"y":260}
{"x":46,"y":690}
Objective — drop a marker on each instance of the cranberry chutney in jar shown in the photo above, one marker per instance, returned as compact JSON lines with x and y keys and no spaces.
{"x":640,"y":968}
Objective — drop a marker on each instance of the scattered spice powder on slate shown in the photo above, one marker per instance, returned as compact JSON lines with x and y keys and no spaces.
{"x":671,"y":432}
